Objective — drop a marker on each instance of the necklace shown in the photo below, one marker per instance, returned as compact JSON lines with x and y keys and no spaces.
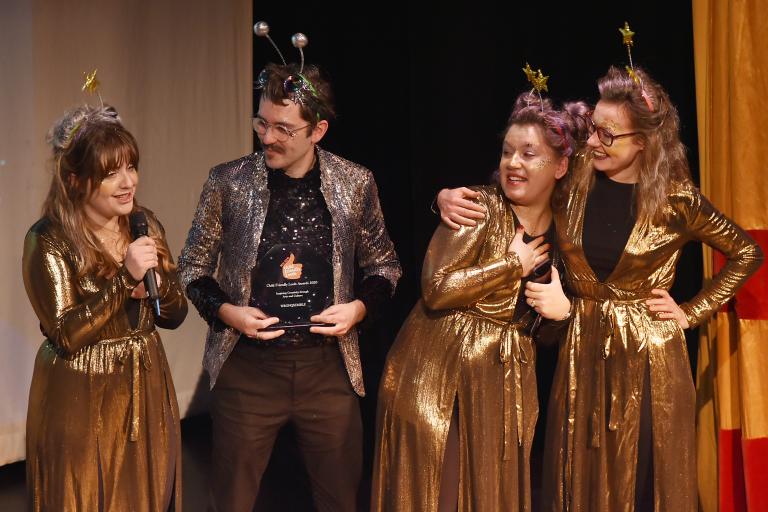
{"x":535,"y":228}
{"x":112,"y":242}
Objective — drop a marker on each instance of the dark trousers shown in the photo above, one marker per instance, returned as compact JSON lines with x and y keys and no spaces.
{"x":259,"y":390}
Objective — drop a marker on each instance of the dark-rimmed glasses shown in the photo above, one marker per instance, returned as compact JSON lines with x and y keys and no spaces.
{"x":605,"y":137}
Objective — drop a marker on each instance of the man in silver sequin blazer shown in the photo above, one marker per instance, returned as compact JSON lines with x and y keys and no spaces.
{"x":291,"y":191}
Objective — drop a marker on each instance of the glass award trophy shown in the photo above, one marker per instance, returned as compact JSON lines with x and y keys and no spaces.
{"x":292,"y":282}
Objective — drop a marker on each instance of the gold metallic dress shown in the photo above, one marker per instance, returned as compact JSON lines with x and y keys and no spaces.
{"x":103,"y":423}
{"x":613,"y":342}
{"x":460,"y":342}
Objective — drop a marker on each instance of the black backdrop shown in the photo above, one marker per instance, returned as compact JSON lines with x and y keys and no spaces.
{"x":423,"y":94}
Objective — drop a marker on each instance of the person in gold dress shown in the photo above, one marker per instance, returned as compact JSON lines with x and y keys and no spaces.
{"x":621,"y":422}
{"x":103,"y":423}
{"x":621,"y":429}
{"x":458,"y":401}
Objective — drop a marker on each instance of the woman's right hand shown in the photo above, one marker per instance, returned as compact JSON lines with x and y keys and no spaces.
{"x":457,"y":208}
{"x":530,"y":254}
{"x":140,"y":257}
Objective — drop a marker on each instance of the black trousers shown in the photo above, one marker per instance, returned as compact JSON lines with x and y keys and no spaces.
{"x":261,"y":389}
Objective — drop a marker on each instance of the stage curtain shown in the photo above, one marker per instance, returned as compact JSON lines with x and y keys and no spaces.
{"x":179,"y":72}
{"x":732,"y":101}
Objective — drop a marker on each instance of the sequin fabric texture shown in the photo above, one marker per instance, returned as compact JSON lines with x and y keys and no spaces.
{"x":614,"y":341}
{"x":298,"y":214}
{"x":227,"y":228}
{"x":103,"y":423}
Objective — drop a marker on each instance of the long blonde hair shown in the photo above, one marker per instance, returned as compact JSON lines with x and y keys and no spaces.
{"x":663,"y":163}
{"x":89,"y":142}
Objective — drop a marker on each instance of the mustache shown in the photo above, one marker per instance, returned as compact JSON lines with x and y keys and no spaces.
{"x":273,"y":147}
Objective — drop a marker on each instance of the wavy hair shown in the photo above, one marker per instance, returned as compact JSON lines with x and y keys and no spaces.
{"x":88,"y":143}
{"x":662,"y":162}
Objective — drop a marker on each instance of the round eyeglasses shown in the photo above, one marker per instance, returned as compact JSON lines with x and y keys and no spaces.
{"x":280,"y":132}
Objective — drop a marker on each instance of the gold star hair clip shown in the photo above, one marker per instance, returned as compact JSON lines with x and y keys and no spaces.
{"x":538,"y":80}
{"x":627,"y":36}
{"x":92,"y":84}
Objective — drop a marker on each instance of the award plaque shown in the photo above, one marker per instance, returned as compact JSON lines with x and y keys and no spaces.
{"x":292,"y":282}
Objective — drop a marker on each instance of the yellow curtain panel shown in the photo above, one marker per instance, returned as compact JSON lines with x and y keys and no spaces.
{"x":731,"y":56}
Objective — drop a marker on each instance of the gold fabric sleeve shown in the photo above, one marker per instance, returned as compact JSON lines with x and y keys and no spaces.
{"x":450,"y":280}
{"x":68,"y":320}
{"x":707,"y":224}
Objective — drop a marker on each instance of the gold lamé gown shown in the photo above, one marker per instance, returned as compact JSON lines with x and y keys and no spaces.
{"x":460,"y":342}
{"x":103,"y":423}
{"x":613,"y":342}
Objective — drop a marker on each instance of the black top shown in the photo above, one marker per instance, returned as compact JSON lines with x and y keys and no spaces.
{"x":609,"y":218}
{"x":297,"y":213}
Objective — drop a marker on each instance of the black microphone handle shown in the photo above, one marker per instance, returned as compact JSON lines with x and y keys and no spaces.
{"x":150,"y":283}
{"x":139,"y":228}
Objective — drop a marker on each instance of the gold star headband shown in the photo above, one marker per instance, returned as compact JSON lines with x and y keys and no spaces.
{"x":626,"y":39}
{"x":92,"y":84}
{"x":537,"y":80}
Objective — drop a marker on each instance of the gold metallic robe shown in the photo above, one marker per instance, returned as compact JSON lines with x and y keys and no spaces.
{"x":103,"y":418}
{"x":613,"y":342}
{"x":460,"y":342}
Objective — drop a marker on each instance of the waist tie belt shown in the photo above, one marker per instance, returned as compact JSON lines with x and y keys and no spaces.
{"x":609,"y":332}
{"x":513,"y":357}
{"x":134,"y":348}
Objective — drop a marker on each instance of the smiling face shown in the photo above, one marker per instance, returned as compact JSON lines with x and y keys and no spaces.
{"x":529,"y":168}
{"x":295,"y":154}
{"x":621,"y":160}
{"x":113,"y":197}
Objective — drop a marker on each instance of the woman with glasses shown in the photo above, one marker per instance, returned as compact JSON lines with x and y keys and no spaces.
{"x":458,"y":401}
{"x":621,"y":422}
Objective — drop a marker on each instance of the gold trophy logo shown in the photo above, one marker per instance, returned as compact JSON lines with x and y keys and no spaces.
{"x":291,"y":270}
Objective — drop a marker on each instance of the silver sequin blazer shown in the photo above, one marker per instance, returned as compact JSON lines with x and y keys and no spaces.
{"x":227,"y":228}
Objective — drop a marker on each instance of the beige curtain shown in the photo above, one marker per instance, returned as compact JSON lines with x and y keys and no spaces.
{"x":179,"y":73}
{"x":731,"y":55}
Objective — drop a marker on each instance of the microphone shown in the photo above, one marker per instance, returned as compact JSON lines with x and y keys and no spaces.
{"x":139,"y":228}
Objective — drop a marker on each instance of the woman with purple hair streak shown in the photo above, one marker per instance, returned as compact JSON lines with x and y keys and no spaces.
{"x":458,"y":401}
{"x":621,"y":421}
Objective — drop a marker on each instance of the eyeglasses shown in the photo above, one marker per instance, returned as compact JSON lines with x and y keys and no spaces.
{"x":605,"y":137}
{"x":280,"y":132}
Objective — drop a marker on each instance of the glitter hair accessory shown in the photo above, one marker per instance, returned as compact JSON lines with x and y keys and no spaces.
{"x":90,"y":85}
{"x":537,"y":80}
{"x":297,"y":87}
{"x":626,"y":38}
